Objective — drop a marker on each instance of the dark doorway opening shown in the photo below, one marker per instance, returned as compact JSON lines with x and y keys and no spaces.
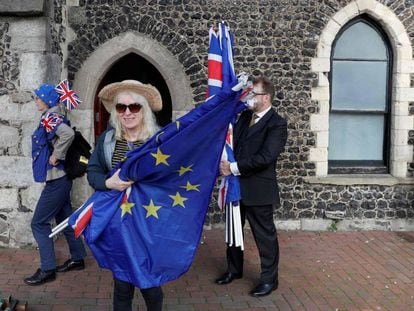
{"x":132,"y":67}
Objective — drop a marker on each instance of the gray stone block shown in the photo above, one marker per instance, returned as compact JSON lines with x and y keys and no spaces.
{"x":16,"y":112}
{"x":315,"y":224}
{"x":81,"y":118}
{"x":22,"y":97}
{"x":402,"y":224}
{"x":287,"y":225}
{"x":22,"y":7}
{"x":363,"y":224}
{"x":76,"y":16}
{"x":9,"y":141}
{"x":31,"y":195}
{"x":33,"y":70}
{"x":9,"y":201}
{"x":28,"y":35}
{"x":16,"y":171}
{"x":20,"y":231}
{"x":54,"y":68}
{"x":37,"y":69}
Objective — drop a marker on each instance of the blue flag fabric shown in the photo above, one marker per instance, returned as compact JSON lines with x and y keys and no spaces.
{"x":226,"y":37}
{"x":148,"y":235}
{"x":231,"y":182}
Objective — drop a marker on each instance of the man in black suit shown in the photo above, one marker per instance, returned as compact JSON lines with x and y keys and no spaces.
{"x":260,"y":136}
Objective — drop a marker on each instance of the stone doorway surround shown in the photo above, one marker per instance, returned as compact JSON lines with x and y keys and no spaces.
{"x":401,"y":152}
{"x":100,"y":61}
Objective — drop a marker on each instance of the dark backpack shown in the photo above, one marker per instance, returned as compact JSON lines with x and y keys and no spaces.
{"x":77,"y":157}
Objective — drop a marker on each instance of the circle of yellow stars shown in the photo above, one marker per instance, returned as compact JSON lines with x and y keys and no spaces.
{"x":178,"y":199}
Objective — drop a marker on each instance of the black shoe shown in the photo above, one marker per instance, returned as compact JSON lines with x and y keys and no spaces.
{"x":263,"y":289}
{"x":41,"y":277}
{"x":71,"y":265}
{"x":228,"y":277}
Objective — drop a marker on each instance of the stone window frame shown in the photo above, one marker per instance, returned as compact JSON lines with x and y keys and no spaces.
{"x":368,"y":166}
{"x":401,"y":152}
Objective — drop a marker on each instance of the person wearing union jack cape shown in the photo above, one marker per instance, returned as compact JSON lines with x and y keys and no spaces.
{"x":50,"y":142}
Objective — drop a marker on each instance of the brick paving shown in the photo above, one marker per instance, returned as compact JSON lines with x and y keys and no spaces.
{"x":318,"y":271}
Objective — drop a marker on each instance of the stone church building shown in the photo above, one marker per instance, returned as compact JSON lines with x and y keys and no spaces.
{"x":344,"y":76}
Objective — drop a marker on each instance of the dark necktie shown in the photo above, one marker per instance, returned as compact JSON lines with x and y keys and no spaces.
{"x":253,"y":120}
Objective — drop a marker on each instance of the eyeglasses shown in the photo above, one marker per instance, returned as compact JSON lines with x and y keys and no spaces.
{"x":255,"y":93}
{"x":133,"y":108}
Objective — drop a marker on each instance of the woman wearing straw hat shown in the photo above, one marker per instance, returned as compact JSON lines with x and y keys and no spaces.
{"x":131,"y":105}
{"x":50,"y":142}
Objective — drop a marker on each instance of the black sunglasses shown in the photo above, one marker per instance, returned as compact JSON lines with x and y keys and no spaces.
{"x":133,"y":108}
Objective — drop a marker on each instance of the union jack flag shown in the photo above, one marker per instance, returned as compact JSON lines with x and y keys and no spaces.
{"x":215,"y":63}
{"x":50,"y":121}
{"x":67,"y":95}
{"x":80,"y":219}
{"x":221,"y":74}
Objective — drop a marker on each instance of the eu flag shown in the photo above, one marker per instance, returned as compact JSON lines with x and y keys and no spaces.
{"x":148,"y":234}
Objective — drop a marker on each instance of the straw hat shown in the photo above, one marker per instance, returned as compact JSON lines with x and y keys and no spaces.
{"x":151,"y":94}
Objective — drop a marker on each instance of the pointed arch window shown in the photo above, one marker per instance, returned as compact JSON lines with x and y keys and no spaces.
{"x":360,"y":100}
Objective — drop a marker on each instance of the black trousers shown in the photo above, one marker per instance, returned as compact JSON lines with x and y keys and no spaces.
{"x":124,"y":294}
{"x":264,"y":231}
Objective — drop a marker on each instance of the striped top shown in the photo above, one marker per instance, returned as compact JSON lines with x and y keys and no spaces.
{"x":121,"y":148}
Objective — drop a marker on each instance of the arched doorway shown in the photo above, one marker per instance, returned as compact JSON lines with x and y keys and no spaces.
{"x":132,"y":67}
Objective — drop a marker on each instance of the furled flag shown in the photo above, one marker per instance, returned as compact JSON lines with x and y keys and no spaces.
{"x":221,"y":49}
{"x":67,"y":95}
{"x":220,"y":59}
{"x":148,"y":234}
{"x":80,"y":219}
{"x":215,"y":64}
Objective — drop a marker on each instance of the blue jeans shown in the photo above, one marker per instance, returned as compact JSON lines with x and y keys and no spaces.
{"x":124,"y":294}
{"x":54,"y":202}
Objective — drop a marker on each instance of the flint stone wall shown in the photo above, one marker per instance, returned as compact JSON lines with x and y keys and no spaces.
{"x":277,"y":38}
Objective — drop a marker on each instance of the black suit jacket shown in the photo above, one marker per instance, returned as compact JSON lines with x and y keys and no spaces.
{"x":256,"y":150}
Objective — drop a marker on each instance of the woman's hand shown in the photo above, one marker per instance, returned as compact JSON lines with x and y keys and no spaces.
{"x":114,"y":182}
{"x":53,"y":160}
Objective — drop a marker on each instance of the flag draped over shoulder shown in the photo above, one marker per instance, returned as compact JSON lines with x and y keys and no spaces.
{"x":148,"y":234}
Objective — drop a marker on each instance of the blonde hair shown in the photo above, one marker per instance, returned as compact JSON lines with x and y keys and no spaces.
{"x":149,"y":127}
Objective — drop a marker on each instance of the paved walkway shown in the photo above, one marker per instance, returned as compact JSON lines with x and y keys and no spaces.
{"x":318,"y":271}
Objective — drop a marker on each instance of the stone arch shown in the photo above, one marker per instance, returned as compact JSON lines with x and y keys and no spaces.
{"x":93,"y":69}
{"x":401,"y":121}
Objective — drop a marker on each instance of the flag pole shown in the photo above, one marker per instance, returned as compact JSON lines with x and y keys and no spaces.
{"x":62,"y":226}
{"x":58,"y":230}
